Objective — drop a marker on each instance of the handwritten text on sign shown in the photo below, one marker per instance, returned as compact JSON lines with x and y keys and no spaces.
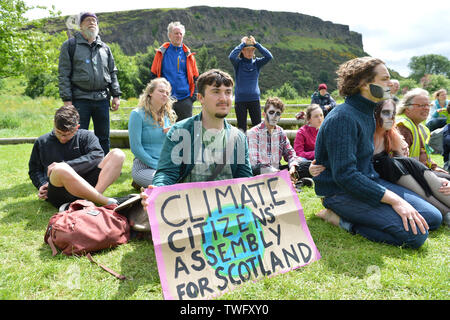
{"x":210,"y":237}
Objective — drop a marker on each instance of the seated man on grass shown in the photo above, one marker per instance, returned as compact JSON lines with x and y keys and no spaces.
{"x":68,"y":163}
{"x":204,"y":147}
{"x":268,"y":143}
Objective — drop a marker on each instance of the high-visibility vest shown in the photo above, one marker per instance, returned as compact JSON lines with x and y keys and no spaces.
{"x":419,"y":133}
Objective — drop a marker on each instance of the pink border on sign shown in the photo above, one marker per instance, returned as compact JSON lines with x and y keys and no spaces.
{"x":153,"y":193}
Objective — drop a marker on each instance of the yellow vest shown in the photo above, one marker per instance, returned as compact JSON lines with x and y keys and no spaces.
{"x":418,"y":132}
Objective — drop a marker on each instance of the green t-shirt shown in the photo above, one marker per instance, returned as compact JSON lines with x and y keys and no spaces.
{"x":214,"y":142}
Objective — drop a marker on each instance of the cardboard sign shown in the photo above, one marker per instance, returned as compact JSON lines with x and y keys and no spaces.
{"x":211,"y":237}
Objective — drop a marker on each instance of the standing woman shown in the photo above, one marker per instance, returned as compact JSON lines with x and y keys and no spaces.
{"x":246,"y":69}
{"x":147,"y":128}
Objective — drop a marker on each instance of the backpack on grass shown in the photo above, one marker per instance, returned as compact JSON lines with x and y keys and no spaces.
{"x":86,"y":228}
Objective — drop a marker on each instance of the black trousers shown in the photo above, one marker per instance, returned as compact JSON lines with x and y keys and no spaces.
{"x":302,"y":169}
{"x":254,"y":109}
{"x":183,"y":108}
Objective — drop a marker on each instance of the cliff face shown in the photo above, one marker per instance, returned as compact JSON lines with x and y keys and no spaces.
{"x":302,"y":45}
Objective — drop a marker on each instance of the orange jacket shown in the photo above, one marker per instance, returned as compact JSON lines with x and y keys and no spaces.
{"x":191,"y":64}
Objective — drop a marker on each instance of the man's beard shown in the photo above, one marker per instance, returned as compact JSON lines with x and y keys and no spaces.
{"x":89,"y":33}
{"x":221,"y":115}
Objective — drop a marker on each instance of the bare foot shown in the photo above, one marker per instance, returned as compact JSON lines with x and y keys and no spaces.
{"x":329,"y":216}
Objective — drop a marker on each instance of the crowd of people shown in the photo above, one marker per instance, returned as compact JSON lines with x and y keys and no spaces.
{"x":368,"y":158}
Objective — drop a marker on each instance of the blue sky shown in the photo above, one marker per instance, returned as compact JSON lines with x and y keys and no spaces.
{"x":392,"y":30}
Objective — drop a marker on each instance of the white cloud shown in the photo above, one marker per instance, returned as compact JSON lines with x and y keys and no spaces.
{"x":394,"y":31}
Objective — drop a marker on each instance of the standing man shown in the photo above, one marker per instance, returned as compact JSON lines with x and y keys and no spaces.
{"x":68,"y":163}
{"x":365,"y":204}
{"x":175,"y":62}
{"x":88,"y":78}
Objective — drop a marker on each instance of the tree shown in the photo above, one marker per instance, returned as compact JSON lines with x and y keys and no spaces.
{"x":127,"y":71}
{"x":204,"y":62}
{"x":20,"y":42}
{"x":435,"y":82}
{"x":144,"y":63}
{"x":429,"y":64}
{"x":42,"y":73}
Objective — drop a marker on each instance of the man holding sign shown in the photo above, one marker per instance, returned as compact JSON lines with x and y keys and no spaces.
{"x":216,"y":232}
{"x":195,"y":149}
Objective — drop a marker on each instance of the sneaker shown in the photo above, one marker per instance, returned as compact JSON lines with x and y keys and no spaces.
{"x":64,"y":207}
{"x":307,"y":182}
{"x":135,"y":185}
{"x":121,"y":200}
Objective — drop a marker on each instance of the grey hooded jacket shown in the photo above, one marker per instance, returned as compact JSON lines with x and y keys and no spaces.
{"x":93,"y":75}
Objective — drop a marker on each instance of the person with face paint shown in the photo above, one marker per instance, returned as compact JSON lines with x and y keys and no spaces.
{"x":247,"y":68}
{"x":392,"y":163}
{"x":364,"y":203}
{"x":268,"y":143}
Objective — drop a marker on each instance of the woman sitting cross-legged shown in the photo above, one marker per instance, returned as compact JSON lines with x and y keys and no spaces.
{"x":147,"y":127}
{"x":392,"y":163}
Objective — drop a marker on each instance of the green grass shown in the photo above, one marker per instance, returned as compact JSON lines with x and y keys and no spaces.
{"x":28,"y":271}
{"x":351,"y":267}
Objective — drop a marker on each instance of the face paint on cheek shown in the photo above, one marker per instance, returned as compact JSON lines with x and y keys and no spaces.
{"x":272,"y":119}
{"x":380,"y":92}
{"x":387,"y":118}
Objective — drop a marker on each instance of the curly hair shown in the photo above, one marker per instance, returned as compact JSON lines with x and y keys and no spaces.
{"x":275,"y":102}
{"x":355,"y":73}
{"x":144,"y":102}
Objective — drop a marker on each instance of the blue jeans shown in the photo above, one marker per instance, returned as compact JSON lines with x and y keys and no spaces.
{"x":99,"y":111}
{"x":382,"y":223}
{"x":436,"y":123}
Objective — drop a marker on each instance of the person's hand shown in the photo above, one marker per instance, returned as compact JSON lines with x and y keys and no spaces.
{"x":115,"y":104}
{"x":67,"y":103}
{"x":144,"y":196}
{"x":437,"y":169}
{"x":165,"y":130}
{"x":315,"y":169}
{"x":327,"y":107}
{"x":293,"y":174}
{"x":244,"y":39}
{"x":43,"y":191}
{"x":409,"y":215}
{"x":445,"y":187}
{"x":252,"y":40}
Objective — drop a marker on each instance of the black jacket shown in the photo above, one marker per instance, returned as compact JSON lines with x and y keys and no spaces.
{"x":83,"y":153}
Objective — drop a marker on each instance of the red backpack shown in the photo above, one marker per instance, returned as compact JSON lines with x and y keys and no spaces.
{"x":85,"y":228}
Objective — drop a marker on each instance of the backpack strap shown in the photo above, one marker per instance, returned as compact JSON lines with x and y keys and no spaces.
{"x":71,"y":49}
{"x":115,"y":274}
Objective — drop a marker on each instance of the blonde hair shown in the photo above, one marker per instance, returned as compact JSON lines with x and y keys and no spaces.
{"x":145,"y":103}
{"x":436,"y":94}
